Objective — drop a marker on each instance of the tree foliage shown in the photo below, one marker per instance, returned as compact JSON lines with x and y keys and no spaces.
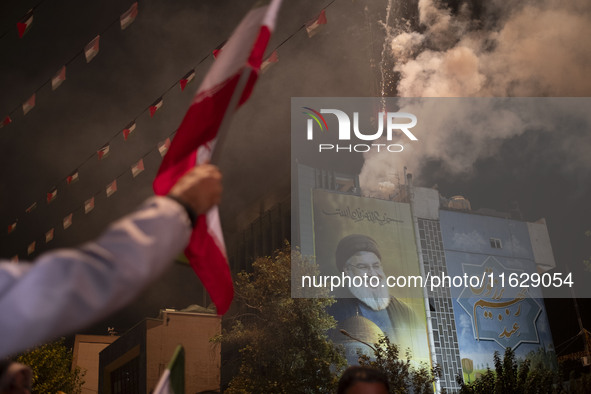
{"x":282,"y":340}
{"x":403,"y":377}
{"x":52,"y":369}
{"x":512,"y":377}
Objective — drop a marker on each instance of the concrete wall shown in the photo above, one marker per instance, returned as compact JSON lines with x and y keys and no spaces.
{"x":86,"y":356}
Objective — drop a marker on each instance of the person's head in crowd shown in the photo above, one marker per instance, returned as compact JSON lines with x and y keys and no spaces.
{"x":15,"y":378}
{"x":363,"y":380}
{"x":358,"y":255}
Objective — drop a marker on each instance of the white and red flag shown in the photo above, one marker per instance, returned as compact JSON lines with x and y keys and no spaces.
{"x":227,"y":85}
{"x":7,"y":120}
{"x":313,"y":26}
{"x":58,"y":78}
{"x":73,"y":177}
{"x":31,"y":207}
{"x":49,"y":235}
{"x":111,"y":188}
{"x":29,"y":104}
{"x":163,"y":146}
{"x":11,"y":227}
{"x":92,"y":49}
{"x":24,"y":24}
{"x":67,"y":222}
{"x":186,"y":79}
{"x":156,"y":106}
{"x":128,"y":16}
{"x":104,"y":151}
{"x":31,"y":248}
{"x":130,"y":128}
{"x":137,"y":168}
{"x":272,"y":59}
{"x":52,"y":195}
{"x":89,"y":205}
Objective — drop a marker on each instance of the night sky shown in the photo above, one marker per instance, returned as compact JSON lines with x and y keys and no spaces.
{"x":368,"y":48}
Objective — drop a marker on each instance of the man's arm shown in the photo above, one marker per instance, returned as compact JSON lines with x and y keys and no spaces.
{"x":67,"y":289}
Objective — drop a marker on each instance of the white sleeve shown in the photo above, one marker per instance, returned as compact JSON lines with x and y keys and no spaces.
{"x":68,"y":289}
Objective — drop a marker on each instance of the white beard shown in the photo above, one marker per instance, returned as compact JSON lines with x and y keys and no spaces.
{"x":377,"y":298}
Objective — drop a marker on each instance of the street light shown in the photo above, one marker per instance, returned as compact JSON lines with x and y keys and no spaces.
{"x":345,"y":333}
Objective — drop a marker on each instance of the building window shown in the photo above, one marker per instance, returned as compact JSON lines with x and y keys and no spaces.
{"x":495,"y":243}
{"x":125,"y":379}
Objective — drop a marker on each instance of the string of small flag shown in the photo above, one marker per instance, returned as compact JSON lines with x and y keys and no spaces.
{"x":89,"y":204}
{"x":90,"y":51}
{"x":311,"y":28}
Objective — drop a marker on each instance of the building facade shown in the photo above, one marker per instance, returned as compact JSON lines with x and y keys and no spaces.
{"x":135,"y":361}
{"x":456,"y":324}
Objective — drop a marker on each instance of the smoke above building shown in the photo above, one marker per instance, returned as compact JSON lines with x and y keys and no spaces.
{"x":486,"y":49}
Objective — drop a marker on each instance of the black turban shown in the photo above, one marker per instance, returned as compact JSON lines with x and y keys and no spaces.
{"x":352,"y":244}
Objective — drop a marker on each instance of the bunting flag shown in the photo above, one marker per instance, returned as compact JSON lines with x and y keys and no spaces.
{"x":25,"y":23}
{"x":12,"y":227}
{"x":128,"y":16}
{"x":7,"y":120}
{"x":67,"y":222}
{"x":73,"y":177}
{"x":137,"y":168}
{"x":128,"y":130}
{"x":227,"y":84}
{"x":104,"y":151}
{"x":273,"y":58}
{"x":52,"y":195}
{"x":111,"y":188}
{"x":172,"y":380}
{"x":31,"y":207}
{"x":313,"y":25}
{"x":49,"y":235}
{"x":163,"y":146}
{"x":216,"y":52}
{"x":184,"y":81}
{"x":92,"y":49}
{"x":155,"y":107}
{"x":89,"y":205}
{"x":58,"y":78}
{"x":31,"y":248}
{"x":29,"y":104}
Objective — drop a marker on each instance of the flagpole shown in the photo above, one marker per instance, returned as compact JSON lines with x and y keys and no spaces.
{"x":227,"y":119}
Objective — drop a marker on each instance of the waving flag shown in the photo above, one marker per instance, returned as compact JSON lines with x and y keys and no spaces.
{"x":52,"y":195}
{"x":155,"y":106}
{"x":49,"y":235}
{"x":313,"y":26}
{"x":186,"y":79}
{"x":273,"y":58}
{"x":128,"y":16}
{"x":228,"y":84}
{"x":31,"y":248}
{"x":29,"y":104}
{"x":25,"y":23}
{"x":92,"y":49}
{"x":58,"y":78}
{"x":89,"y":205}
{"x":7,"y":120}
{"x":67,"y":222}
{"x":104,"y":151}
{"x":172,"y":380}
{"x":128,"y":130}
{"x":73,"y":177}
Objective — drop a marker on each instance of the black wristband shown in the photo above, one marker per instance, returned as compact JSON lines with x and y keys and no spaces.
{"x":190,"y":212}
